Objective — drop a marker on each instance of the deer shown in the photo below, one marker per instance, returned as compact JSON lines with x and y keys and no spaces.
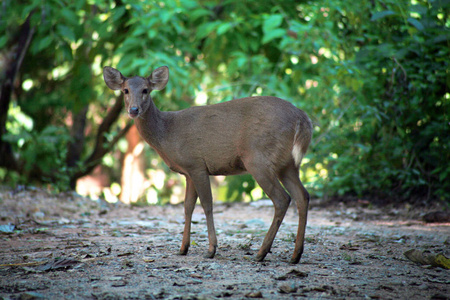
{"x":264,"y":136}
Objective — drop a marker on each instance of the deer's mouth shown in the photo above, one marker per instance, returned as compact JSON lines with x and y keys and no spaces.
{"x":133,"y":115}
{"x":133,"y":112}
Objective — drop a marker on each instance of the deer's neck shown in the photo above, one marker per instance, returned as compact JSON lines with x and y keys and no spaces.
{"x":151,"y":126}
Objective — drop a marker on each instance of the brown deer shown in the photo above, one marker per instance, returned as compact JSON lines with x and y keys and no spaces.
{"x":264,"y":136}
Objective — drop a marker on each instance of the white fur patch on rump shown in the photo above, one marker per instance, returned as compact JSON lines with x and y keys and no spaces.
{"x":297,"y":154}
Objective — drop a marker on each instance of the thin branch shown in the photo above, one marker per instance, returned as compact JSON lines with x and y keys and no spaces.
{"x":401,"y":67}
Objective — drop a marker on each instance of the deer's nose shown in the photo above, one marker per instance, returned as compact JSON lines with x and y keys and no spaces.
{"x":134,"y":111}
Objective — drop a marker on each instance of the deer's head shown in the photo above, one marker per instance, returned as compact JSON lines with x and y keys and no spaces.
{"x":136,"y":89}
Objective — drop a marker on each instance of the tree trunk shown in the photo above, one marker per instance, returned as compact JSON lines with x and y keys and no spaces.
{"x":75,"y":147}
{"x":133,"y":169}
{"x":20,"y":48}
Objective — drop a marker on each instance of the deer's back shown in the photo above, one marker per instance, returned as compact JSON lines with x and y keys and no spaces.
{"x":222,"y":136}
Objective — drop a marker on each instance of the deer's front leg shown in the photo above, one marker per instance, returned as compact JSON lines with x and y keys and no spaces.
{"x":189,"y":205}
{"x":203,"y":188}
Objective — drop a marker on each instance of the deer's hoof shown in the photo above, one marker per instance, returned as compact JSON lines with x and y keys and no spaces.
{"x":183,"y":251}
{"x":210,"y":253}
{"x":259,"y":258}
{"x":294,"y":260}
{"x":296,"y":257}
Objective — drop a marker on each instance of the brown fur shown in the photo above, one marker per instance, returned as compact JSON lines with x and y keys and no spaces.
{"x":264,"y":136}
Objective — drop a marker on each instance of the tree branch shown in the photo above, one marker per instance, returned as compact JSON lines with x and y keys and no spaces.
{"x":102,"y":146}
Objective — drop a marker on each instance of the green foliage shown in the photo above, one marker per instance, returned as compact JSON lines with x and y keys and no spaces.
{"x":374,"y":77}
{"x":237,"y":186}
{"x":43,"y":154}
{"x":401,"y":134}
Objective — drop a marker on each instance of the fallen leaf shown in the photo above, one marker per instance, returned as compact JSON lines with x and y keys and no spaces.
{"x":86,"y":256}
{"x":119,"y":283}
{"x":386,"y":288}
{"x":125,"y":254}
{"x":292,"y":274}
{"x":148,"y":260}
{"x":8,"y":228}
{"x":195,"y":275}
{"x":63,"y":263}
{"x":195,"y":281}
{"x":254,"y":295}
{"x":324,"y":288}
{"x":427,"y":258}
{"x":349,"y":247}
{"x":114,"y":278}
{"x":439,"y":280}
{"x":39,"y":230}
{"x":179,"y":284}
{"x":442,"y":261}
{"x":287,"y":289}
{"x":32,"y":295}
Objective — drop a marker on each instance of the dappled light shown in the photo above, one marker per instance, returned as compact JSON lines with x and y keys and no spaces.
{"x":123,"y":121}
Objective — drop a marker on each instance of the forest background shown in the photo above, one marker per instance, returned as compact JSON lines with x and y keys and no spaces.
{"x":373,"y":75}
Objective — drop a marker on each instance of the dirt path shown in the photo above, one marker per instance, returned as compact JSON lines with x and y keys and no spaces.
{"x":69,"y":247}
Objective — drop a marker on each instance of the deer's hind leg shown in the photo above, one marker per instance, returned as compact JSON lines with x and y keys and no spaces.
{"x":291,"y":181}
{"x":268,"y":181}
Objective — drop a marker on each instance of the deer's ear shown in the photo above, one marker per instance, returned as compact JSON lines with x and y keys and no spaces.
{"x":113,"y":78}
{"x":159,"y":78}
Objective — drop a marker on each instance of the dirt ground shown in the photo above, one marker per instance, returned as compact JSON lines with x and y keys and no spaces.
{"x":68,"y":247}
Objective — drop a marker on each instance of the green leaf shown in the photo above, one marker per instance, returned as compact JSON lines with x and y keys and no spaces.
{"x":442,"y":176}
{"x":66,"y":51}
{"x":386,"y":50}
{"x":223,"y":28}
{"x":66,"y":32}
{"x":69,"y":16}
{"x":273,"y":34}
{"x":198,"y":13}
{"x":165,"y":16}
{"x":381,"y":15}
{"x":205,"y":29}
{"x":242,"y":42}
{"x":118,"y":13}
{"x":45,"y":42}
{"x":416,"y":23}
{"x":440,"y":38}
{"x":3,"y":41}
{"x":272,"y":22}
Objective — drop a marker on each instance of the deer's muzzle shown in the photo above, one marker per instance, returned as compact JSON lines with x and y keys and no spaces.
{"x":133,"y":112}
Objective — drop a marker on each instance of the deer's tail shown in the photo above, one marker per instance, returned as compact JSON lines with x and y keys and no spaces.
{"x":302,"y":139}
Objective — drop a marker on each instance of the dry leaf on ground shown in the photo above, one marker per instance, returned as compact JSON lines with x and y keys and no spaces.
{"x":427,"y":258}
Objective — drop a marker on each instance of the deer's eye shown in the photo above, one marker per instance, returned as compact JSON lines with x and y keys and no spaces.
{"x":144,"y":91}
{"x":125,"y":91}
